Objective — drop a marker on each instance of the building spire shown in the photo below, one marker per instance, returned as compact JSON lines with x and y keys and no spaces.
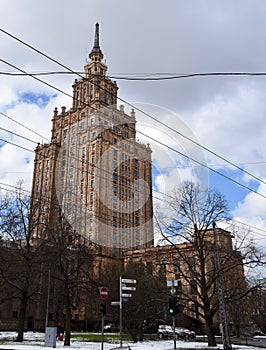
{"x":96,"y":38}
{"x":96,"y":46}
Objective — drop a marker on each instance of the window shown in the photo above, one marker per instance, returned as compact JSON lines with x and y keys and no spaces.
{"x":192,"y":263}
{"x":115,"y":189}
{"x":162,"y":267}
{"x":176,"y":266}
{"x":149,"y":267}
{"x":15,"y":314}
{"x":73,"y":139}
{"x":193,"y":287}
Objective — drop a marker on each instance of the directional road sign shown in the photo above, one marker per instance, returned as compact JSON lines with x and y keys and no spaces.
{"x":126,"y":295}
{"x":127,"y":280}
{"x":128,"y":288}
{"x":115,"y":303}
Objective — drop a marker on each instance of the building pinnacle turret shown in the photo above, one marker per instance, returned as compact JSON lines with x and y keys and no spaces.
{"x":96,"y":50}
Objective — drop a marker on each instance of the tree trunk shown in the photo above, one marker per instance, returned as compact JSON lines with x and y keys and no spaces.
{"x":68,"y":321}
{"x":210,"y":332}
{"x":237,"y":330}
{"x":21,"y":318}
{"x":141,"y":334}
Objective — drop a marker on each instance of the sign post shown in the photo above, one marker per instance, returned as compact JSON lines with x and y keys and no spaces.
{"x":103,"y":296}
{"x":123,"y":287}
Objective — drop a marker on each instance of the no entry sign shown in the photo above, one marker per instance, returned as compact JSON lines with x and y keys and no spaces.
{"x":103,"y":293}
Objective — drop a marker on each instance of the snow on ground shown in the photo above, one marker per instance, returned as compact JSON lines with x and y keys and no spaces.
{"x":35,"y":341}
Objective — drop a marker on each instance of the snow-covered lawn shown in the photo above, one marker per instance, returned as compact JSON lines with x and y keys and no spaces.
{"x":35,"y":341}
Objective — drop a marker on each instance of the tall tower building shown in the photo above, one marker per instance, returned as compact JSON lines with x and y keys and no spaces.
{"x":93,"y":172}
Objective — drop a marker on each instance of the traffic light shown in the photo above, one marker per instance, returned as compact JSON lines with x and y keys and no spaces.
{"x":173,"y":306}
{"x":103,"y":308}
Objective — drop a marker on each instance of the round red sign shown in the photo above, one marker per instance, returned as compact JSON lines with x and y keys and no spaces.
{"x":103,"y":293}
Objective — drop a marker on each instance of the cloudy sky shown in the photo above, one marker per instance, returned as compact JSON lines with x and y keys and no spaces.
{"x":225,"y":114}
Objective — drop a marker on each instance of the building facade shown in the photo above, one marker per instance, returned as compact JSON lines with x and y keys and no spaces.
{"x":93,"y":171}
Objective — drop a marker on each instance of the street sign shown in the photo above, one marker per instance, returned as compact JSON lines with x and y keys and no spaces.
{"x":172,"y":283}
{"x":128,"y":288}
{"x":103,"y":293}
{"x":126,"y":295}
{"x":127,"y":280}
{"x":173,"y":290}
{"x":115,"y":303}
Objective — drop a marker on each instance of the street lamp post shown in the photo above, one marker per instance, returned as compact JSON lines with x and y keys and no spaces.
{"x":224,"y":323}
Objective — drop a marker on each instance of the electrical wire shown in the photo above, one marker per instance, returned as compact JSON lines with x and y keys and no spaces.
{"x":147,"y":114}
{"x":24,"y":126}
{"x":23,"y":137}
{"x":147,"y":77}
{"x":16,"y":188}
{"x":16,"y":145}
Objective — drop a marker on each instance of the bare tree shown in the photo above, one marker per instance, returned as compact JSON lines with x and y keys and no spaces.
{"x":188,"y":225}
{"x":257,"y":304}
{"x":71,"y":263}
{"x":147,"y":302}
{"x":20,"y":263}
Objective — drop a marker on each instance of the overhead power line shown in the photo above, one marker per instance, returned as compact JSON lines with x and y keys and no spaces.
{"x":23,"y":137}
{"x":16,"y":145}
{"x":146,"y":77}
{"x":145,"y":113}
{"x":15,"y":188}
{"x":24,"y":126}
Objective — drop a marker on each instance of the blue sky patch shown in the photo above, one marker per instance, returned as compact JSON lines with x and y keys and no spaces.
{"x":40,"y":100}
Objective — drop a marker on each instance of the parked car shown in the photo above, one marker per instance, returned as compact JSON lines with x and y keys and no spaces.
{"x":259,"y":333}
{"x":165,"y":331}
{"x":184,"y":333}
{"x":110,"y":328}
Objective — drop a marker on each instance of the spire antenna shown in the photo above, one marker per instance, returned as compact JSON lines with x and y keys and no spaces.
{"x":96,"y":45}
